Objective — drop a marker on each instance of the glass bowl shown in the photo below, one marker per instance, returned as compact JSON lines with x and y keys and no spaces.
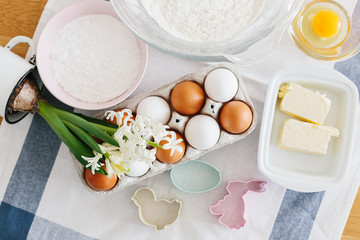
{"x":252,"y":45}
{"x":346,"y":49}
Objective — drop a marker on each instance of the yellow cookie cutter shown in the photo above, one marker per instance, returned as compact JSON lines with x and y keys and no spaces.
{"x":155,"y":212}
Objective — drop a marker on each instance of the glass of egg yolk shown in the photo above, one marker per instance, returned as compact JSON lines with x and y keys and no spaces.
{"x":324,"y":24}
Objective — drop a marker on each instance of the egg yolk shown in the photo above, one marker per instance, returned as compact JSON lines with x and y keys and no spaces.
{"x":326,"y":23}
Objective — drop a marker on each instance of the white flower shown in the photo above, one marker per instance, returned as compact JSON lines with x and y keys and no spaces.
{"x":133,"y":137}
{"x":109,"y":169}
{"x":117,"y":169}
{"x":93,"y":162}
{"x":103,"y":148}
{"x":107,"y":147}
{"x":159,"y":131}
{"x":121,"y":119}
{"x":172,"y":143}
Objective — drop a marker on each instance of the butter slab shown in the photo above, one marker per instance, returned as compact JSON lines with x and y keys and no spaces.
{"x":303,"y":103}
{"x":306,"y":137}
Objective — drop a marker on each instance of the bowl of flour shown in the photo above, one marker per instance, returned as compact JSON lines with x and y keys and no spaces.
{"x":89,"y":59}
{"x":240,"y":31}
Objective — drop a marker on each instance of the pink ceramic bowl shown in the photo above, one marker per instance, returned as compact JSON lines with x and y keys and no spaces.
{"x":47,"y":37}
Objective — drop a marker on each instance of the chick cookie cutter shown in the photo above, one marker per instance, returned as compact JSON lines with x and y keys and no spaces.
{"x":155,"y":212}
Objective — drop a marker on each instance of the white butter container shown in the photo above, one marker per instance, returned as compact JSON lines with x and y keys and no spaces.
{"x":306,"y":172}
{"x":178,"y":122}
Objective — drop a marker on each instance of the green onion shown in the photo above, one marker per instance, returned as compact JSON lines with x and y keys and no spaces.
{"x":85,"y":125}
{"x":77,"y":147}
{"x":84,"y":136}
{"x":97,"y":121}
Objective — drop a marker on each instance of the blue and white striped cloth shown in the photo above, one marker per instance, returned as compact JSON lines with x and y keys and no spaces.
{"x":41,"y":196}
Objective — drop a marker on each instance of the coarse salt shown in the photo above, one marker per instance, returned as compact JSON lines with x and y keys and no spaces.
{"x":203,"y":20}
{"x":95,"y":58}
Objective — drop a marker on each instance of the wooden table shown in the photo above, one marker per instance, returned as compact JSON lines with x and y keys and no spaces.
{"x":20,"y":17}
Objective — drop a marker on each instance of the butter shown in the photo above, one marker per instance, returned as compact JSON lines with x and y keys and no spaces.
{"x":306,"y":137}
{"x":303,"y":103}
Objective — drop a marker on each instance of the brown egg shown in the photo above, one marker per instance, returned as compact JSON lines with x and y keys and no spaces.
{"x":164,"y":155}
{"x":98,"y":181}
{"x":236,"y":117}
{"x":114,"y":121}
{"x":187,"y":98}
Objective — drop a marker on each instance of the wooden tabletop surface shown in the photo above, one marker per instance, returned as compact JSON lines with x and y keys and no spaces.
{"x":20,"y":17}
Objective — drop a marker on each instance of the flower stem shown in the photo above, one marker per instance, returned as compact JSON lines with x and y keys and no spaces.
{"x":77,"y":147}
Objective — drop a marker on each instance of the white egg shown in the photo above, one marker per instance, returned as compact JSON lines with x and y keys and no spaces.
{"x":136,"y":168}
{"x":221,"y":85}
{"x":156,"y":108}
{"x":202,"y":132}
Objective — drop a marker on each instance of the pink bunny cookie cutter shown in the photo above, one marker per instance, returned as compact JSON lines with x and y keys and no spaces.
{"x":232,"y":206}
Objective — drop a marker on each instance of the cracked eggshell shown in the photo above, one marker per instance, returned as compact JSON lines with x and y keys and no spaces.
{"x":195,"y":176}
{"x":155,"y":212}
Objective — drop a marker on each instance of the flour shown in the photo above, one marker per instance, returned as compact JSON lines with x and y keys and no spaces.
{"x":203,"y":20}
{"x":95,"y":58}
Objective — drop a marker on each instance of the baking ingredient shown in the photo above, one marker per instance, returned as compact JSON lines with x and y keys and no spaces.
{"x":236,"y":117}
{"x":324,"y":24}
{"x":136,"y":168}
{"x":203,"y":21}
{"x":187,"y":98}
{"x":98,"y":181}
{"x":156,"y":108}
{"x":173,"y":148}
{"x":95,"y":58}
{"x":303,"y":103}
{"x":306,"y":137}
{"x":202,"y":132}
{"x":221,"y":85}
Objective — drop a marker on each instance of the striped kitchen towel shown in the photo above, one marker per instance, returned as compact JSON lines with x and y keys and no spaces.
{"x":41,"y":196}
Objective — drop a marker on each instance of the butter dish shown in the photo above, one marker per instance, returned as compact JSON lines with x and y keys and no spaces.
{"x":300,"y":171}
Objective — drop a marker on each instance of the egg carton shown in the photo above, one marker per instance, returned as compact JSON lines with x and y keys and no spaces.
{"x":178,"y":122}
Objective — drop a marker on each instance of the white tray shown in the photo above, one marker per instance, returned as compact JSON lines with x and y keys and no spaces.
{"x":303,"y":171}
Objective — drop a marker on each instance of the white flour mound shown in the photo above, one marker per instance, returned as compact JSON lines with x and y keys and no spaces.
{"x":95,"y":58}
{"x":203,"y":20}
